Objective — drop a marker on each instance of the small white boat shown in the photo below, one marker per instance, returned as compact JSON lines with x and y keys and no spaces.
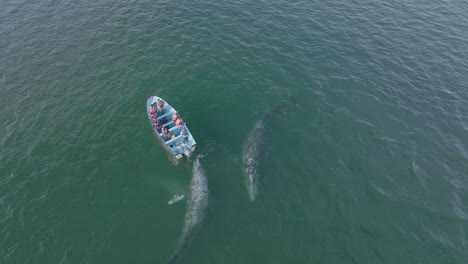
{"x":180,"y":142}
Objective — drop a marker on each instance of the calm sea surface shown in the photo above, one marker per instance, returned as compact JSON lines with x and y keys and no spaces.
{"x":369,"y":165}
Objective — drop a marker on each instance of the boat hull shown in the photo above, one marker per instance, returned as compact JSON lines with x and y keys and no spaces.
{"x":181,"y":143}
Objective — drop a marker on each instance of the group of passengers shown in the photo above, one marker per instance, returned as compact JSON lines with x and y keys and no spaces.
{"x":157,"y":109}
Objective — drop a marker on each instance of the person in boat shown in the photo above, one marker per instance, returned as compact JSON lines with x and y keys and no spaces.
{"x":154,"y":117}
{"x":177,"y":120}
{"x":158,"y":126}
{"x":153,"y":113}
{"x":160,"y":108}
{"x":153,"y":108}
{"x":166,"y":135}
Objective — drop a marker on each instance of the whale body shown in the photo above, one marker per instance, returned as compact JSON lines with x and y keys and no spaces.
{"x":254,"y":148}
{"x":197,"y":203}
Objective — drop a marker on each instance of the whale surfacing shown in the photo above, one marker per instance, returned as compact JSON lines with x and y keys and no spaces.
{"x":197,"y":203}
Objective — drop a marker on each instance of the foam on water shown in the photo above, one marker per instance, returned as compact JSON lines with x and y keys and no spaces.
{"x":176,"y":198}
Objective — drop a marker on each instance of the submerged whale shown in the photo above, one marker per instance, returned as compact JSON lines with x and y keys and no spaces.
{"x":254,"y":147}
{"x":197,"y":202}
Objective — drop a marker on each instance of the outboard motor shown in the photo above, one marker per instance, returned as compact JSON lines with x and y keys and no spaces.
{"x":187,"y":149}
{"x":187,"y":152}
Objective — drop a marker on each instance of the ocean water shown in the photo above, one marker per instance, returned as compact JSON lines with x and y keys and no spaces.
{"x":368,"y":165}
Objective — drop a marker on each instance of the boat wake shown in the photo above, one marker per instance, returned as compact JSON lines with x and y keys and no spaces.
{"x":197,"y":202}
{"x":210,"y":146}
